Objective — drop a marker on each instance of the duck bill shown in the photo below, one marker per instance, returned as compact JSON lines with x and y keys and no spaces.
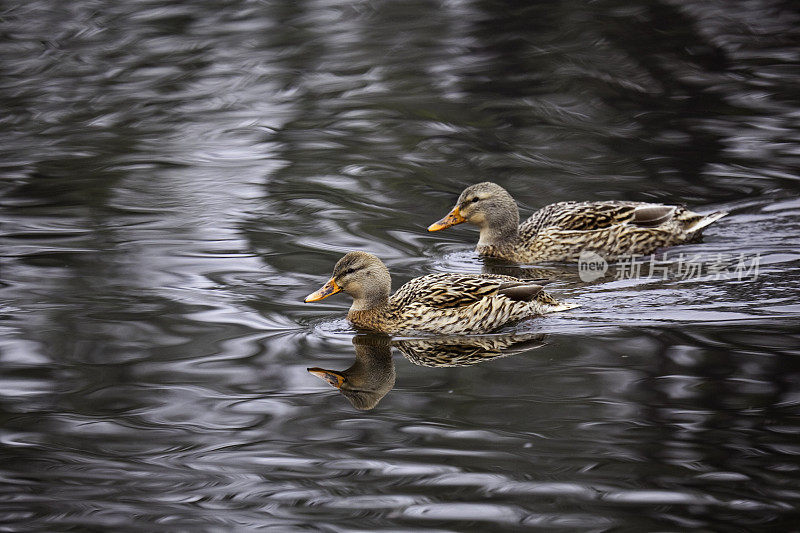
{"x":329,"y":288}
{"x":331,"y":376}
{"x":453,"y":217}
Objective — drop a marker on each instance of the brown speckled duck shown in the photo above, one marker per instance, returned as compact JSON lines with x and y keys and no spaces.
{"x":438,"y":303}
{"x":561,"y":231}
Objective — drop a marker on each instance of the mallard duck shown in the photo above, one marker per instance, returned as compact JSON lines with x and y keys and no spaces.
{"x":438,"y":303}
{"x":561,"y":231}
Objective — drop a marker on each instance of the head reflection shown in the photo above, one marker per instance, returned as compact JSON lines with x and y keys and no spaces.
{"x":369,"y":378}
{"x":372,"y":375}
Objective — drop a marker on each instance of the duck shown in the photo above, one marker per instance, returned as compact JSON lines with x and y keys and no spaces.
{"x":443,"y":303}
{"x":563,"y":231}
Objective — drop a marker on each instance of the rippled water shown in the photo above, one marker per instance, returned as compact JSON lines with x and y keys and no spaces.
{"x":177,"y":176}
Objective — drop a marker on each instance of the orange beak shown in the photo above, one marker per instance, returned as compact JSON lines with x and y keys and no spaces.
{"x":331,"y":376}
{"x":329,"y":288}
{"x":453,"y":217}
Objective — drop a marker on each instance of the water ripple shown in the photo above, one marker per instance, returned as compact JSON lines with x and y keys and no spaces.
{"x":177,"y":178}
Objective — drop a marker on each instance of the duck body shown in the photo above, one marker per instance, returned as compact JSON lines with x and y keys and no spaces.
{"x":563,"y":230}
{"x":436,"y":303}
{"x":457,"y":303}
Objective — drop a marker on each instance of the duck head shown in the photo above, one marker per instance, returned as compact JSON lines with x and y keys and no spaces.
{"x":361,"y":275}
{"x":488,"y":206}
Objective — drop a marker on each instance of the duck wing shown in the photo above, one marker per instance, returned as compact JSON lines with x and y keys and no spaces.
{"x":587,"y":216}
{"x":459,"y":290}
{"x":651,"y":215}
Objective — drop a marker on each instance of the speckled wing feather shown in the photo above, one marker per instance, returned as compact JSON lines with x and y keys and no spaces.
{"x":451,"y":290}
{"x":594,"y":215}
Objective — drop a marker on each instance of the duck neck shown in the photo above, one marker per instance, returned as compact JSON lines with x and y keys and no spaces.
{"x":370,"y":303}
{"x":500,"y":227}
{"x":372,"y":292}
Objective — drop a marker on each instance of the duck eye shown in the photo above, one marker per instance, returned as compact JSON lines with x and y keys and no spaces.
{"x":474,"y":200}
{"x":348,"y":271}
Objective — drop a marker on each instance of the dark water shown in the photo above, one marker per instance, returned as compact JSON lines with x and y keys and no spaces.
{"x":177,"y":176}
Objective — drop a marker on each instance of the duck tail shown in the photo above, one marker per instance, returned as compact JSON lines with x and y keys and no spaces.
{"x":705,"y":220}
{"x":560,"y":306}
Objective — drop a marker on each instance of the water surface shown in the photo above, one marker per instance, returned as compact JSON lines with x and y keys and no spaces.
{"x":177,"y":177}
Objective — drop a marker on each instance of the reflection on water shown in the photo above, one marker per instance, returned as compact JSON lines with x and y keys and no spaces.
{"x":464,"y":351}
{"x":369,"y":378}
{"x":372,"y":375}
{"x":174,"y":179}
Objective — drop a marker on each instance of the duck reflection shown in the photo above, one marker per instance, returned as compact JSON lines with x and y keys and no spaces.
{"x":465,"y":351}
{"x":369,"y":378}
{"x":555,"y":271}
{"x":372,"y":375}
